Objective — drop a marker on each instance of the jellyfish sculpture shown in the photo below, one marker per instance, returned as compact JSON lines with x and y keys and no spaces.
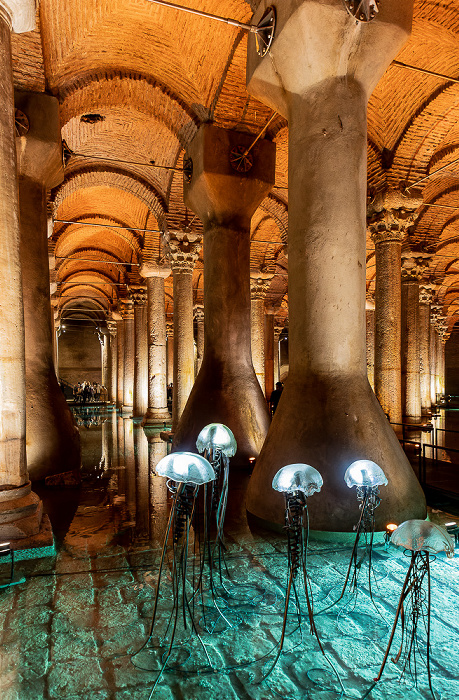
{"x":185,"y":472}
{"x":367,"y":477}
{"x":420,"y":539}
{"x":297,"y":482}
{"x":218,"y":444}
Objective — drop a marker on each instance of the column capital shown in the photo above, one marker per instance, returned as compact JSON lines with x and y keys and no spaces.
{"x":126,"y":307}
{"x":426,"y":292}
{"x":198,"y":310}
{"x":138,"y":294}
{"x":152,"y":268}
{"x":278,"y":328}
{"x":414,"y":265}
{"x":20,"y":14}
{"x":259,"y":283}
{"x":182,"y":249}
{"x":169,"y":329}
{"x":112,"y":328}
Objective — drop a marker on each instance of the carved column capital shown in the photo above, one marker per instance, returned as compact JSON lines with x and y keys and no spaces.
{"x":151,"y":268}
{"x":426,"y":293}
{"x":126,"y":307}
{"x":112,"y":328}
{"x":414,"y":265}
{"x":182,"y":249}
{"x":138,"y":294}
{"x":259,"y":283}
{"x":278,"y":328}
{"x":198,"y":310}
{"x":391,"y":216}
{"x":169,"y":329}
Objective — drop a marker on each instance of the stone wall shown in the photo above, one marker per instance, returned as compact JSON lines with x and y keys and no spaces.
{"x":79,"y":355}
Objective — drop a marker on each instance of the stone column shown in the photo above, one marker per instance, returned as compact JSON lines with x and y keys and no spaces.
{"x":319,"y":72}
{"x":157,"y":412}
{"x":225,"y":196}
{"x":20,"y":508}
{"x":425,"y":297}
{"x":270,"y":351}
{"x":138,"y":295}
{"x":259,"y":285}
{"x":119,"y":362}
{"x":413,"y":266}
{"x":112,"y":389}
{"x":53,"y":440}
{"x":170,"y":352}
{"x":278,"y":328}
{"x":370,"y":336}
{"x":182,"y":249}
{"x":105,"y":358}
{"x":442,"y":334}
{"x":199,"y":318}
{"x":127,"y":312}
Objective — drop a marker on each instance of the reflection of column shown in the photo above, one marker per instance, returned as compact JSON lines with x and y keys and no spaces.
{"x":370,"y":335}
{"x":413,"y":266}
{"x":170,"y":352}
{"x":120,"y":362}
{"x":142,"y":480}
{"x":269,"y":351}
{"x":425,"y":297}
{"x":328,"y":415}
{"x":129,"y":466}
{"x":140,"y":399}
{"x":157,"y":412}
{"x":259,"y":285}
{"x":127,"y":311}
{"x":53,"y":440}
{"x":199,"y":317}
{"x":21,"y":509}
{"x":157,"y":449}
{"x":183,"y":251}
{"x":112,"y":389}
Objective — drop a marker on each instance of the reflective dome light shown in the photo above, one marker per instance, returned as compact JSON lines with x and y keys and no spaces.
{"x":423,"y":536}
{"x":363,"y":472}
{"x":217,"y":436}
{"x":186,"y":467}
{"x":298,"y":477}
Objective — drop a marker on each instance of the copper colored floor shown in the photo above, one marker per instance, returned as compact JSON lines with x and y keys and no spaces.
{"x":69,"y":631}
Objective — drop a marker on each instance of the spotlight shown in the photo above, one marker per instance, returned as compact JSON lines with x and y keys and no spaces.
{"x":252,"y":461}
{"x":390,"y":528}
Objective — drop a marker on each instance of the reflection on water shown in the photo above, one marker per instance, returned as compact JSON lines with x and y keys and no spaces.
{"x":128,"y":502}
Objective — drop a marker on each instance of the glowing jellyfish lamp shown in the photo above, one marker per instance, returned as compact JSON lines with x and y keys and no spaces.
{"x":185,"y":472}
{"x":218,"y":444}
{"x":297,"y":482}
{"x":421,"y":539}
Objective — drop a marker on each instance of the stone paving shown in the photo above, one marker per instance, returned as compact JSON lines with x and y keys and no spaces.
{"x":70,"y":630}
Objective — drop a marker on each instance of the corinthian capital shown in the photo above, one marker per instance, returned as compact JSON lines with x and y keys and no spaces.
{"x":414,"y":265}
{"x":126,"y":309}
{"x":259,"y":283}
{"x":182,"y":249}
{"x":426,"y":292}
{"x":138,"y":294}
{"x":391,"y":215}
{"x":199,"y":312}
{"x":20,"y":14}
{"x":112,"y":328}
{"x":151,"y":268}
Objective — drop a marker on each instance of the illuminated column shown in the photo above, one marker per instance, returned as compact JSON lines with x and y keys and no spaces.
{"x":269,"y":351}
{"x":225,"y":197}
{"x":319,"y":72}
{"x":119,"y":360}
{"x":20,"y":508}
{"x":199,"y":317}
{"x":112,"y":389}
{"x":370,"y":335}
{"x":435,"y":311}
{"x":127,"y":311}
{"x":170,"y":352}
{"x":442,"y":334}
{"x":105,"y":343}
{"x":413,"y":267}
{"x":278,"y":328}
{"x":138,"y":295}
{"x":425,"y":298}
{"x":183,"y":249}
{"x":259,"y":285}
{"x":157,"y":412}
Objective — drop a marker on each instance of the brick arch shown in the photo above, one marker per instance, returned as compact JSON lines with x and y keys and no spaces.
{"x":278,"y":210}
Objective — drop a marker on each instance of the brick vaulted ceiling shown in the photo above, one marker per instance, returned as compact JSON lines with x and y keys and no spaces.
{"x":153,"y":75}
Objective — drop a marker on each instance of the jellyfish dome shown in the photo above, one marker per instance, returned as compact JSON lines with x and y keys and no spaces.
{"x":217,"y":436}
{"x":298,"y":477}
{"x":423,"y":536}
{"x":186,"y":467}
{"x":363,"y":472}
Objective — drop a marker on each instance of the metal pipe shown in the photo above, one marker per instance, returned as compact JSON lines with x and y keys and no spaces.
{"x":125,"y":228}
{"x":234,"y":23}
{"x":427,"y":72}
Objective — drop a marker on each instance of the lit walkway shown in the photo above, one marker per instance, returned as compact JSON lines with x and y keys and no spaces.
{"x":69,"y":631}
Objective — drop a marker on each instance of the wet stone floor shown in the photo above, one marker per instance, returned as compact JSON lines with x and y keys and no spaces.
{"x":78,"y":628}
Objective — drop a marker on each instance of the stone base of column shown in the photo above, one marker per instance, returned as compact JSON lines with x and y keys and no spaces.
{"x":21,"y":514}
{"x":127,"y":409}
{"x":156,"y":416}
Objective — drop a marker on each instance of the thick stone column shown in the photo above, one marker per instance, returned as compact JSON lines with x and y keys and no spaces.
{"x":225,"y":197}
{"x":127,"y":312}
{"x":278,"y":328}
{"x":270,"y":351}
{"x":370,"y":336}
{"x":112,"y":389}
{"x":259,"y":285}
{"x":413,"y":266}
{"x":442,"y":335}
{"x":105,"y":358}
{"x":138,"y":295}
{"x":157,"y":412}
{"x":319,"y":73}
{"x":199,"y":318}
{"x":182,"y":249}
{"x":119,"y":362}
{"x":53,"y":440}
{"x":170,"y":352}
{"x":425,"y":298}
{"x":435,"y":311}
{"x":20,"y":509}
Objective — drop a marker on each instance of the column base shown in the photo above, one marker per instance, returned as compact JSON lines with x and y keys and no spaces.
{"x":127,"y":409}
{"x":21,"y":513}
{"x":156,"y":417}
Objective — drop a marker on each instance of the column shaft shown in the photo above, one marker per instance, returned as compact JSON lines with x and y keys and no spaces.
{"x":140,"y":401}
{"x":411,"y":386}
{"x":370,"y":336}
{"x":120,"y":363}
{"x":129,"y":352}
{"x":269,"y":354}
{"x":183,"y":340}
{"x":157,"y":412}
{"x":424,"y":355}
{"x":257,"y":324}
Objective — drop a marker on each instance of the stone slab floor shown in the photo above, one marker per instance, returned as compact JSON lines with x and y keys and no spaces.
{"x":71,"y":629}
